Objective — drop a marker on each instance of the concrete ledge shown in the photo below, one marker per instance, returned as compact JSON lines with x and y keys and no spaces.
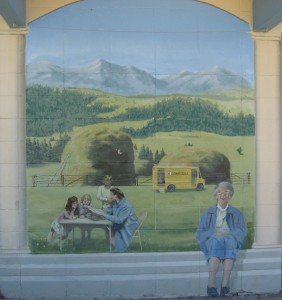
{"x":127,"y":275}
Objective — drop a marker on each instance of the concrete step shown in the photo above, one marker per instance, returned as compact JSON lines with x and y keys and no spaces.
{"x":122,"y":268}
{"x":111,"y":276}
{"x":129,"y":257}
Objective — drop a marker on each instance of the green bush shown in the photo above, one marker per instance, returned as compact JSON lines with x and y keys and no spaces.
{"x":249,"y":239}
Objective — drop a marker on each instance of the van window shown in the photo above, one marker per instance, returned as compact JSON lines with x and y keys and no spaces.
{"x":161,"y":176}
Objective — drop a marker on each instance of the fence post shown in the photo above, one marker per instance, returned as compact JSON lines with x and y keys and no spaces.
{"x":62,"y":180}
{"x":34,"y":180}
{"x":249,"y":178}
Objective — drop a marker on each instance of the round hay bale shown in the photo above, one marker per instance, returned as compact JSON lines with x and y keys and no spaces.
{"x":97,"y":151}
{"x":214,"y":166}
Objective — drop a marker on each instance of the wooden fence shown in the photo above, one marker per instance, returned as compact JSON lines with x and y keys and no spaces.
{"x":64,"y":180}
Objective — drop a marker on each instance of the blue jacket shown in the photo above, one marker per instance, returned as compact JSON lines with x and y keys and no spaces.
{"x":124,"y":219}
{"x":234,"y":220}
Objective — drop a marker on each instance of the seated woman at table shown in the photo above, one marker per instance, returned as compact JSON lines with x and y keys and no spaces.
{"x":124,"y":220}
{"x":71,"y":211}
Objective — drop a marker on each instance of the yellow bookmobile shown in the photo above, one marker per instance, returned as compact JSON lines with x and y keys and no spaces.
{"x":172,"y":178}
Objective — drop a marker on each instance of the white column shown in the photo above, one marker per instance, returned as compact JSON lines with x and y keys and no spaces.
{"x":268,"y":139}
{"x":13,"y":227}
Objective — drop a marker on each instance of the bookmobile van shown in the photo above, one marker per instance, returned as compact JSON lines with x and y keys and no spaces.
{"x":172,"y":178}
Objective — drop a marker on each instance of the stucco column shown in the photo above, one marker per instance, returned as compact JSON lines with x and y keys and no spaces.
{"x":13,"y":227}
{"x":268,"y":138}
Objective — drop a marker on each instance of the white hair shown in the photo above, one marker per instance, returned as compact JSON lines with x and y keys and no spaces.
{"x":224,"y":184}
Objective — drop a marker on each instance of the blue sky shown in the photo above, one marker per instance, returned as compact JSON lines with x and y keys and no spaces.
{"x":159,"y":36}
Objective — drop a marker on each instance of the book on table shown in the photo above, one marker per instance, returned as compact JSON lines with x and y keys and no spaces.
{"x":96,"y":211}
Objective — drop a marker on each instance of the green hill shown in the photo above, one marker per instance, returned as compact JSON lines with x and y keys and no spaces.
{"x":54,"y":110}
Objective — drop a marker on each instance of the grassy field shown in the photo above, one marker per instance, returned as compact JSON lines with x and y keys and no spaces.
{"x":170,"y":225}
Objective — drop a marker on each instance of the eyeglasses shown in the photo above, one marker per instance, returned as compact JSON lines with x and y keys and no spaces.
{"x":227,"y":193}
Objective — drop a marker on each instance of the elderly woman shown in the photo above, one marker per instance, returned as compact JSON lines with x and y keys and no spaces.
{"x":220,"y":235}
{"x":124,"y":220}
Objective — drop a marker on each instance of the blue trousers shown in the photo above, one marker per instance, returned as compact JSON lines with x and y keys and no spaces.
{"x":120,"y":245}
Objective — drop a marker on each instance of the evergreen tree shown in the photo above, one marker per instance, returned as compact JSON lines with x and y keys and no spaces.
{"x":157,"y":157}
{"x":142,"y":152}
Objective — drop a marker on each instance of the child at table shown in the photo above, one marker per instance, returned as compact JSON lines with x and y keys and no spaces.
{"x":84,"y":212}
{"x":85,"y":202}
{"x":71,"y":211}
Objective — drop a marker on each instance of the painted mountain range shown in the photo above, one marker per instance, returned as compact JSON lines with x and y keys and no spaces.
{"x":130,"y":81}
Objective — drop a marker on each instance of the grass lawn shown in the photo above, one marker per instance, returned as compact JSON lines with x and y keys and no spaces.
{"x":170,"y":225}
{"x":172,"y":217}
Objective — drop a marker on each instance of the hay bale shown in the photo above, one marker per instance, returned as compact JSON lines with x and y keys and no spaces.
{"x":214,"y":166}
{"x":96,"y":151}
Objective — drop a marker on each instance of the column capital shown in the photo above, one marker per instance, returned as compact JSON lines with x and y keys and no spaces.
{"x":14,"y":31}
{"x":272,"y":35}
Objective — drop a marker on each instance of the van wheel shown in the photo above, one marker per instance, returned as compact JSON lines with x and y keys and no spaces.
{"x":171,"y":188}
{"x":200,"y":187}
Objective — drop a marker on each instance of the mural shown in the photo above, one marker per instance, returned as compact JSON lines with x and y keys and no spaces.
{"x":158,"y":97}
